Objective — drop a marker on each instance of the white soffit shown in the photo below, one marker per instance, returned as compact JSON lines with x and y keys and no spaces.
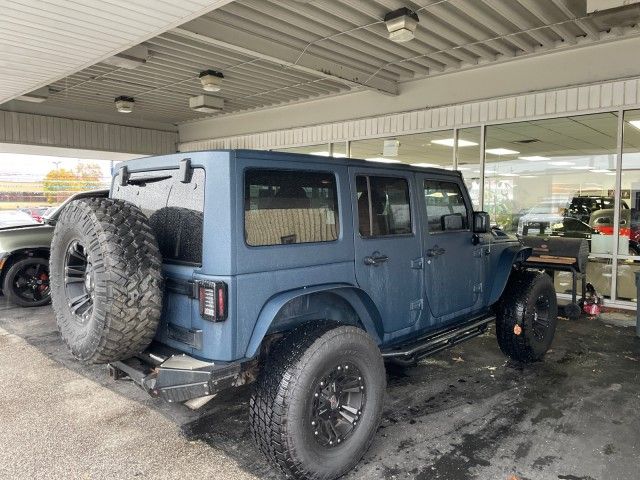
{"x":44,"y":41}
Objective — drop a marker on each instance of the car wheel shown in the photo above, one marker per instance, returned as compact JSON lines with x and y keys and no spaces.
{"x":526,"y":316}
{"x":27,"y":282}
{"x":105,"y":279}
{"x":317,"y":402}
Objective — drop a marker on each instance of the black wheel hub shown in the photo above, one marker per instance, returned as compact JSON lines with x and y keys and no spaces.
{"x":338,"y":402}
{"x":78,"y":281}
{"x":541,"y":321}
{"x":31,"y":283}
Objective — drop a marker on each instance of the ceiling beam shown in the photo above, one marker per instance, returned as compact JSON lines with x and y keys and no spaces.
{"x":211,"y":32}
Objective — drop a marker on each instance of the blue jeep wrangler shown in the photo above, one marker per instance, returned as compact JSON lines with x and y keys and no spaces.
{"x":301,"y":274}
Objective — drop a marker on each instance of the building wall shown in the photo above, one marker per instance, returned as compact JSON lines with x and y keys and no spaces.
{"x":26,"y":128}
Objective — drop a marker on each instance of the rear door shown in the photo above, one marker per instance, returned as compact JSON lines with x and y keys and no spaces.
{"x":453,"y":264}
{"x":387,"y":245}
{"x":175,"y":212}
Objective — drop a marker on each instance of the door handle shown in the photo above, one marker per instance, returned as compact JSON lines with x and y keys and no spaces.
{"x":375,"y":259}
{"x":435,"y":251}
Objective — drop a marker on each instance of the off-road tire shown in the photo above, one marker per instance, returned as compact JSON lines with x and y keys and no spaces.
{"x":8,"y":287}
{"x":282,"y":398}
{"x":126,"y":265}
{"x":520,"y":307}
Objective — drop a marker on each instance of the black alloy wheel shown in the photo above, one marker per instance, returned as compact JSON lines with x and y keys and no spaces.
{"x":79,"y":282}
{"x":338,"y":403}
{"x":27,"y":282}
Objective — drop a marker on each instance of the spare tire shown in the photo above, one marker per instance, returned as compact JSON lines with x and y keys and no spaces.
{"x":106,"y":281}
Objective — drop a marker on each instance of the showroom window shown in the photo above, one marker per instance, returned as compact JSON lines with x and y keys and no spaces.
{"x":468,"y":155}
{"x":383,"y":206}
{"x":556,"y":177}
{"x":629,"y":216}
{"x":433,"y":149}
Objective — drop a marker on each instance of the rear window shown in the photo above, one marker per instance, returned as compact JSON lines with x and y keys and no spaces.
{"x":175,"y":210}
{"x":284,"y":207}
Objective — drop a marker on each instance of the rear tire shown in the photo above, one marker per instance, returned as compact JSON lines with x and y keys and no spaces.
{"x":302,"y":392}
{"x":26,"y":283}
{"x":105,"y":279}
{"x":527,"y":316}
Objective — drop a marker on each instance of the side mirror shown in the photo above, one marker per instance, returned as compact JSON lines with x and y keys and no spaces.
{"x":453,"y":221}
{"x":481,"y":222}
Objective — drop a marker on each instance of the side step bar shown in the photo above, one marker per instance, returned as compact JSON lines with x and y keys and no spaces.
{"x":439,"y":340}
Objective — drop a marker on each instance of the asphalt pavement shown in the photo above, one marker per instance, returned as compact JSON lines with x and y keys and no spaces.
{"x":466,"y":413}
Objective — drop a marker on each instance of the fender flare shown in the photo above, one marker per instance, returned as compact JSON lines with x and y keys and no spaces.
{"x":356,"y":297}
{"x":509,"y":256}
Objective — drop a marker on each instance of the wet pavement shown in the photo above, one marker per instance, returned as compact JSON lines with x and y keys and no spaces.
{"x":466,"y":413}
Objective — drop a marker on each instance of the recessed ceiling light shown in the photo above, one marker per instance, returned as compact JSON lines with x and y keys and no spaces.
{"x":600,"y":170}
{"x":534,"y":158}
{"x":426,"y":165}
{"x":561,"y":164}
{"x":211,"y":80}
{"x":37,"y":96}
{"x":463,"y":169}
{"x":582,"y":167}
{"x":382,"y":160}
{"x":610,"y":173}
{"x":448,"y":142}
{"x":326,"y":154}
{"x":124,"y":104}
{"x":635,"y":123}
{"x":509,"y":175}
{"x":501,"y":151}
{"x":528,"y":176}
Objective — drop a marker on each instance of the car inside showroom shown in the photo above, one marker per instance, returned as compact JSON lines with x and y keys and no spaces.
{"x":320,"y":239}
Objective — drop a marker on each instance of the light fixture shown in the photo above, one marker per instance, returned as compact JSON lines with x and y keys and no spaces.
{"x":401,"y":24}
{"x":501,"y":151}
{"x":508,"y":174}
{"x":534,"y":158}
{"x":206,"y":103}
{"x":582,"y":167}
{"x":37,"y":96}
{"x":528,"y":176}
{"x":425,"y":165}
{"x":600,"y":170}
{"x":561,"y":164}
{"x":635,"y":123}
{"x":211,"y":80}
{"x":382,"y":160}
{"x":130,"y":58}
{"x":326,"y":154}
{"x":448,"y":142}
{"x":124,"y":104}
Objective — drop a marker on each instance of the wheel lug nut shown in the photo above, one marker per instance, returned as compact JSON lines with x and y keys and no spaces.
{"x":330,"y":442}
{"x":346,"y":367}
{"x":359,"y":378}
{"x":339,"y":368}
{"x":313,"y":424}
{"x":315,"y":394}
{"x":315,"y":433}
{"x":338,"y":440}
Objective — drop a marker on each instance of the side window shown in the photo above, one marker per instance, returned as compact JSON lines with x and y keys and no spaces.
{"x":383,"y":206}
{"x":284,"y":207}
{"x":441,"y":199}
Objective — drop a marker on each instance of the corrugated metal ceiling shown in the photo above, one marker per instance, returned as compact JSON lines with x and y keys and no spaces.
{"x":42,"y":41}
{"x":274,"y":52}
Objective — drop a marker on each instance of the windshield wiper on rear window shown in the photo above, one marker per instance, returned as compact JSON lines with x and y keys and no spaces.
{"x":144,"y":180}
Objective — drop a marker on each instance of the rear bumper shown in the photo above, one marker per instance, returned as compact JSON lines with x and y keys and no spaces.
{"x":176,"y":377}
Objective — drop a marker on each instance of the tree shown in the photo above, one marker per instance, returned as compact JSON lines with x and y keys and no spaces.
{"x":60,"y":183}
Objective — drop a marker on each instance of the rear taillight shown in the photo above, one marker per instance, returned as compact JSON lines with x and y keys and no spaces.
{"x":213,"y":300}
